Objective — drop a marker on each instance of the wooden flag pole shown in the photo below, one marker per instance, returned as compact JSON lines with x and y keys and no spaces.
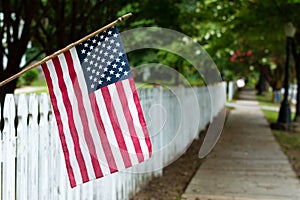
{"x":120,"y":19}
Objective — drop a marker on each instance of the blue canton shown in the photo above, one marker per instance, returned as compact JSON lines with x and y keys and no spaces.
{"x":103,"y":60}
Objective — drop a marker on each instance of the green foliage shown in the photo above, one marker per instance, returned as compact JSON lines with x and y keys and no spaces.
{"x":28,"y":77}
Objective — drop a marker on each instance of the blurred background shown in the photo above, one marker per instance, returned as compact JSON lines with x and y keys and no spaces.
{"x":245,"y":38}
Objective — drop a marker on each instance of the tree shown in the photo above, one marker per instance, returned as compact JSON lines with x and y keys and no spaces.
{"x":16,"y":18}
{"x":49,"y":25}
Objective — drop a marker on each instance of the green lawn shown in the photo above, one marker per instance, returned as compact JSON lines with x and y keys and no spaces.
{"x":289,"y":141}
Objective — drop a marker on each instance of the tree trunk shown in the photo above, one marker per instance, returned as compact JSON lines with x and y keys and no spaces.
{"x":296,"y":56}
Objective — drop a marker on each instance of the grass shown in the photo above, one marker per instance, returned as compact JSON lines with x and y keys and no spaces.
{"x":39,"y":82}
{"x":289,"y":141}
{"x":271,"y":116}
{"x":267,"y":100}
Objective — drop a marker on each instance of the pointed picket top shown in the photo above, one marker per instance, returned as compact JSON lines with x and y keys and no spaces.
{"x":9,"y":110}
{"x":32,"y":107}
{"x":44,"y":103}
{"x":22,"y":108}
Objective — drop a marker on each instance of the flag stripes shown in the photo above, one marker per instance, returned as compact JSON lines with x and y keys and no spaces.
{"x":101,"y":132}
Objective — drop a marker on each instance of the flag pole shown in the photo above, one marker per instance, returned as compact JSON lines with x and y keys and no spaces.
{"x":120,"y":19}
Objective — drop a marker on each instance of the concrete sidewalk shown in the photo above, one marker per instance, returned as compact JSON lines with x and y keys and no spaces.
{"x":247,"y":162}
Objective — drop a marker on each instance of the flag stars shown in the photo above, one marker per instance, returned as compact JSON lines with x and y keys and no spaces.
{"x":103,"y":60}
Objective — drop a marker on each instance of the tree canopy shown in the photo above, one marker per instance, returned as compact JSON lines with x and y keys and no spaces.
{"x":244,"y":37}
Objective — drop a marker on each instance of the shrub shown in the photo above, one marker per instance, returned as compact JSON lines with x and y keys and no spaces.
{"x":29,"y":76}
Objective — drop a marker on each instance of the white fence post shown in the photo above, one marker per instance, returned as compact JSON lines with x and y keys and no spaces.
{"x":33,"y":143}
{"x":9,"y":148}
{"x":1,"y":153}
{"x":22,"y":147}
{"x":44,"y":145}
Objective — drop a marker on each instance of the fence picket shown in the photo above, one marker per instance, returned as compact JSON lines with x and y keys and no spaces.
{"x":22,"y":148}
{"x":44,"y":146}
{"x":1,"y":153}
{"x":9,"y":151}
{"x":33,"y":143}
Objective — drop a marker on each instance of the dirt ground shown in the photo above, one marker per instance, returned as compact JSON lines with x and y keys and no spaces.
{"x":175,"y":177}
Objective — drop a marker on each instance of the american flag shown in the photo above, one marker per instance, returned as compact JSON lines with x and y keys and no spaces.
{"x":99,"y":117}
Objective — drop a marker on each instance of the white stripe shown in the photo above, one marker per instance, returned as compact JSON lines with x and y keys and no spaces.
{"x":77,"y":119}
{"x":135,"y":116}
{"x":64,"y":118}
{"x":91,"y":120}
{"x":109,"y":131}
{"x":123,"y":123}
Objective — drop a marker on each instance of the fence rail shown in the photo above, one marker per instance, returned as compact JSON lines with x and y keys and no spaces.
{"x":32,"y":162}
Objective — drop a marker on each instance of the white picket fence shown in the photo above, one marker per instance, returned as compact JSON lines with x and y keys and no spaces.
{"x":32,"y":164}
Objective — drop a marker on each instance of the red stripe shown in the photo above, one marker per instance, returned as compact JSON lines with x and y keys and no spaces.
{"x":129,"y":120}
{"x":83,"y":116}
{"x":73,"y":130}
{"x":60,"y":126}
{"x":140,"y":114}
{"x":102,"y":134}
{"x":116,"y":126}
